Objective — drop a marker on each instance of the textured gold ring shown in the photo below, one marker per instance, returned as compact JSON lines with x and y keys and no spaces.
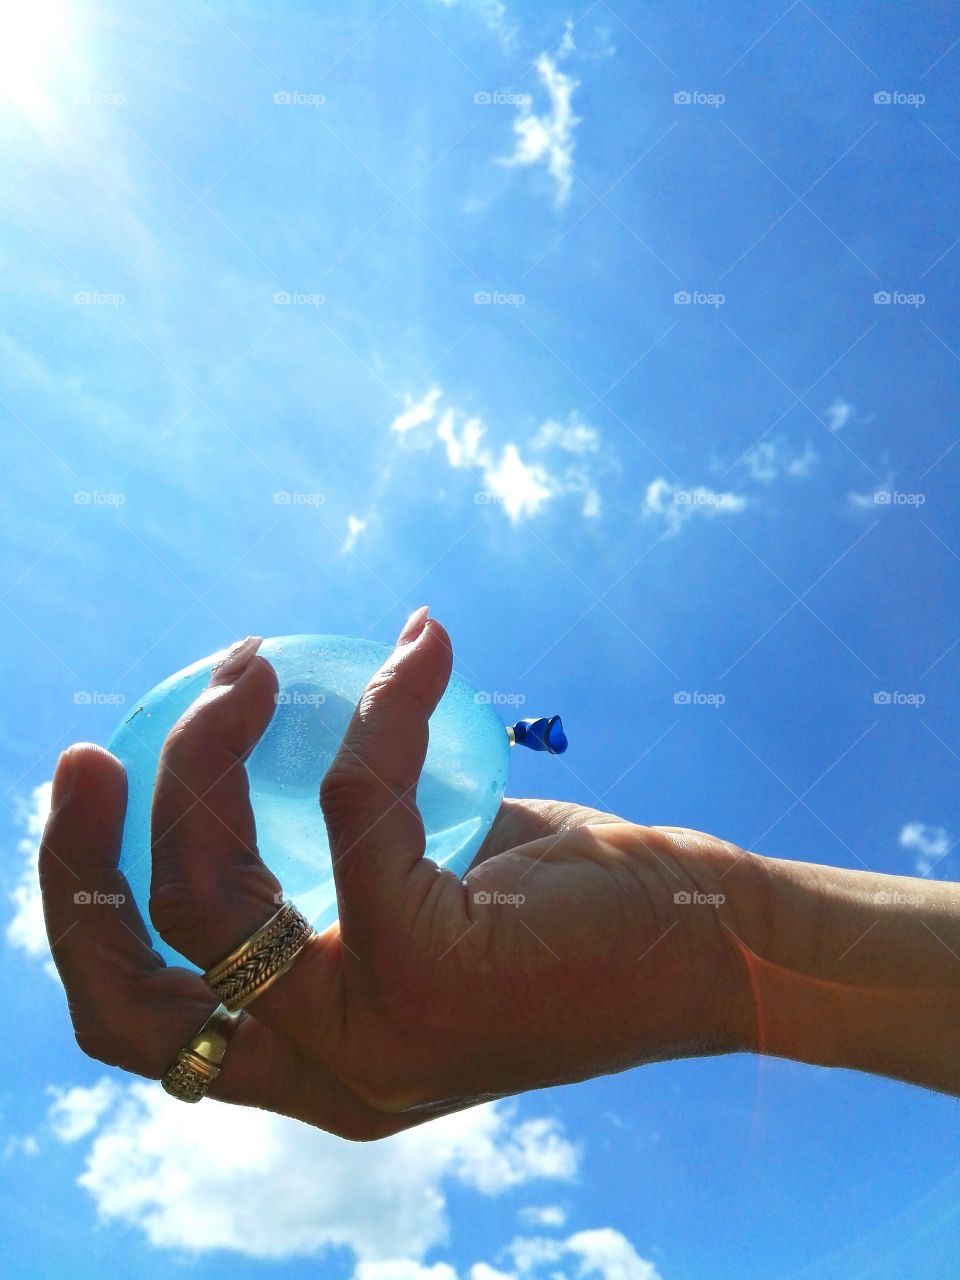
{"x":198,"y":1063}
{"x":259,"y":961}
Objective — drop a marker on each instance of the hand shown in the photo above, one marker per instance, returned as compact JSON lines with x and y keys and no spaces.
{"x":562,"y":954}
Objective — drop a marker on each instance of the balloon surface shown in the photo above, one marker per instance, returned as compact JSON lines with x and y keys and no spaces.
{"x":321,"y":679}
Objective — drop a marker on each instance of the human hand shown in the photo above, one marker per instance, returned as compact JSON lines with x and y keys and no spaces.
{"x":562,"y":953}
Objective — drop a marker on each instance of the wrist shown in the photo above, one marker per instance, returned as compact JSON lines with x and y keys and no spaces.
{"x":855,"y":969}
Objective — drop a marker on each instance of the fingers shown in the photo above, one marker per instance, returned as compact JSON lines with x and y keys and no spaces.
{"x":210,"y":890}
{"x":369,"y":793}
{"x":128,"y":1009}
{"x":97,"y":936}
{"x":209,"y":887}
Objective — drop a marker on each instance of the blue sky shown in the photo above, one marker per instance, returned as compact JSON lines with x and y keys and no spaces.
{"x":626,"y":338}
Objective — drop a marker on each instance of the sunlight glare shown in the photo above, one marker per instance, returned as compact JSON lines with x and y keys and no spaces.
{"x":29,"y":35}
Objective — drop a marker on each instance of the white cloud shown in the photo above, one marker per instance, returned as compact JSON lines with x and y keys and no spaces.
{"x":574,"y":437}
{"x":606,"y":1253}
{"x":547,"y":138}
{"x":675,"y":505}
{"x":522,"y":488}
{"x":76,"y":1112}
{"x":494,"y":16}
{"x":930,"y":844}
{"x":26,"y":929}
{"x":601,"y":1252}
{"x":270,"y":1187}
{"x":867,"y":500}
{"x":770,"y":459}
{"x":522,"y":485}
{"x":567,"y":43}
{"x":403,"y":1269}
{"x":838,"y":415}
{"x":542,"y":1215}
{"x":416,"y":412}
{"x":355,"y":526}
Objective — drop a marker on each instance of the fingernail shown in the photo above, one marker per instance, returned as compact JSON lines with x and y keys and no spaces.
{"x":414,"y":625}
{"x":235,"y":663}
{"x":62,"y":781}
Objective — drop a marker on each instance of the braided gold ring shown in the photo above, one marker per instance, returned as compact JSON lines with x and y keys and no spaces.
{"x":259,"y":961}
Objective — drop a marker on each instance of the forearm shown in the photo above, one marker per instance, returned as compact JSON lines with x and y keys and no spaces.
{"x":854,"y":969}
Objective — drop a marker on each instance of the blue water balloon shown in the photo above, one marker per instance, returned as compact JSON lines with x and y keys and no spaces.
{"x":321,"y":679}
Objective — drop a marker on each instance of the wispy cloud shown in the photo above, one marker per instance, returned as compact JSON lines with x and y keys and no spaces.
{"x":355,"y":526}
{"x":675,"y":504}
{"x":930,"y":844}
{"x":768,"y":460}
{"x":26,"y":929}
{"x":838,"y":414}
{"x":546,"y":138}
{"x":560,"y":459}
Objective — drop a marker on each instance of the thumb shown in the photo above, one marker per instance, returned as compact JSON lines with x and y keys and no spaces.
{"x":368,"y":795}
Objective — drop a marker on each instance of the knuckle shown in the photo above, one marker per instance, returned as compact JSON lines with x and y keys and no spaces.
{"x":106,"y":1044}
{"x":345,"y":784}
{"x":180,"y":917}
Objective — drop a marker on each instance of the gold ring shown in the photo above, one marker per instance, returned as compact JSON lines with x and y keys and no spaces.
{"x":198,"y":1063}
{"x":259,"y":961}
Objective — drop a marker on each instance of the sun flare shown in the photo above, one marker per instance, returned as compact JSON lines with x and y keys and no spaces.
{"x":30,"y":34}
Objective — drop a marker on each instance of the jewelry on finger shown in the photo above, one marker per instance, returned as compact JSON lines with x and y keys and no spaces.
{"x":198,"y":1063}
{"x":259,"y":961}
